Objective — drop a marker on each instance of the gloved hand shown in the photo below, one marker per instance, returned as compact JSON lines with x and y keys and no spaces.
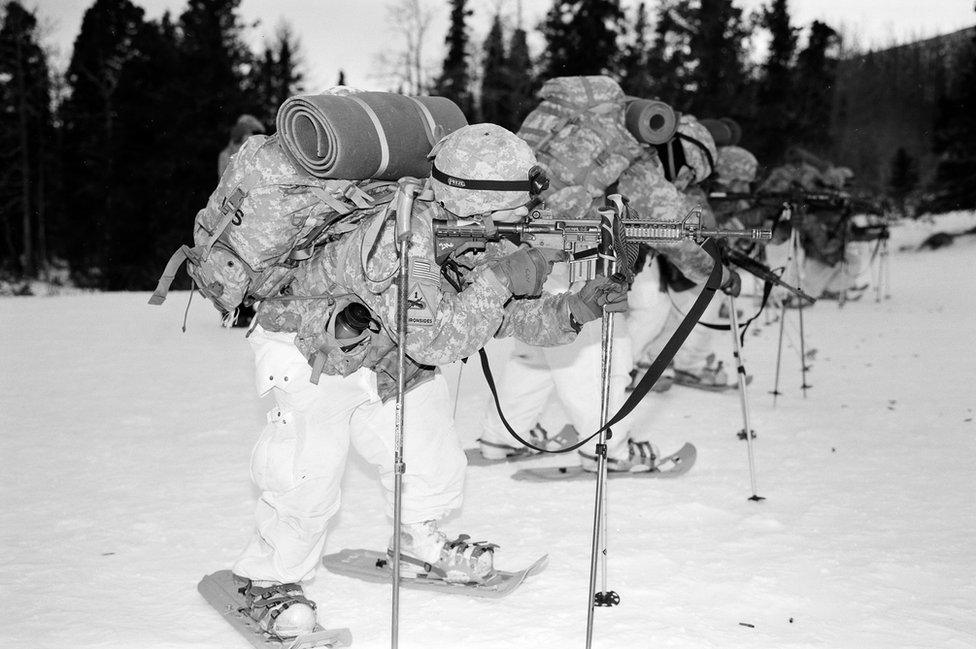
{"x":731,"y":282}
{"x":598,"y":295}
{"x":524,"y":271}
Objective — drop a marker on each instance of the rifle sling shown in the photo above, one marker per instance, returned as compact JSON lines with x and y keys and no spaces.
{"x":767,"y":290}
{"x":653,"y":373}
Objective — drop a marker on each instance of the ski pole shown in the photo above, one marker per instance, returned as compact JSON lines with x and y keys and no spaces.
{"x":605,"y":597}
{"x":886,"y":265}
{"x":740,"y":369}
{"x":404,"y":210}
{"x":457,"y":390}
{"x":799,"y":313}
{"x":779,"y":350}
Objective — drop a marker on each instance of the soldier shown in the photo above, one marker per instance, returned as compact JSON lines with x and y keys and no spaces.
{"x":572,"y":372}
{"x":666,"y":287}
{"x":338,"y":327}
{"x":245,"y":127}
{"x":822,"y":230}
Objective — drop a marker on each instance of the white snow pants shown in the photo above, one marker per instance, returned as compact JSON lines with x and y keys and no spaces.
{"x":300,"y":456}
{"x":570,"y":372}
{"x":654,"y":316}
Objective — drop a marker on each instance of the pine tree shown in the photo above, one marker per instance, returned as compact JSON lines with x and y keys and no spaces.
{"x":495,"y":106}
{"x":776,"y":111}
{"x":25,"y":99}
{"x":719,"y":79}
{"x":276,"y":76}
{"x":582,"y":37}
{"x":635,"y":75}
{"x":670,"y":59}
{"x":955,"y":135}
{"x":522,"y":83}
{"x":815,"y":74}
{"x":150,"y":200}
{"x":454,"y":80}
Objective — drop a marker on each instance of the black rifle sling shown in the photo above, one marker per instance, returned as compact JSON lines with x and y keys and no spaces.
{"x":767,"y":289}
{"x":653,"y":373}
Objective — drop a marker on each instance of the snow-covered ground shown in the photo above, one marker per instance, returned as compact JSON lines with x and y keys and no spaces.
{"x":125,"y":448}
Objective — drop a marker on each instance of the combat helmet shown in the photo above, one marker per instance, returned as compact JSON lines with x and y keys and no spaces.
{"x":735,"y":165}
{"x":484,"y":168}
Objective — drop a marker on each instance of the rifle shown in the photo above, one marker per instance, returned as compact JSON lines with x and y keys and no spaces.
{"x":580,"y":238}
{"x":762,"y":271}
{"x":831,"y":199}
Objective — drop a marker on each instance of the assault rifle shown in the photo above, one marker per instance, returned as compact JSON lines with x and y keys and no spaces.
{"x":762,"y":271}
{"x":580,"y":238}
{"x":830,"y":199}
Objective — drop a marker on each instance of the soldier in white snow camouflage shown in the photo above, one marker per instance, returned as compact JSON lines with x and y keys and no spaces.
{"x":480,"y":172}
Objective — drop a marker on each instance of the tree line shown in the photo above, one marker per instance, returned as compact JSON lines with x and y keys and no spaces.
{"x":104,"y":167}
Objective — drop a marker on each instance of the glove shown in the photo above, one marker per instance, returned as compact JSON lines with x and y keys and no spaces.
{"x":598,"y":295}
{"x":731,"y":282}
{"x":525,"y":271}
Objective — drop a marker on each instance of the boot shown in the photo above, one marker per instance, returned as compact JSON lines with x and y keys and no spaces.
{"x":538,"y":436}
{"x":426,"y":551}
{"x":711,"y":376}
{"x":281,"y":610}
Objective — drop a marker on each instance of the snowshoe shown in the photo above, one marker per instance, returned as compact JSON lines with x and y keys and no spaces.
{"x":642,"y":456}
{"x":425,"y":551}
{"x":663,"y":383}
{"x":225,"y":592}
{"x":671,"y":466}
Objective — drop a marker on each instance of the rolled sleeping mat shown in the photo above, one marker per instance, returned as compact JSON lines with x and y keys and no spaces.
{"x":734,"y":128}
{"x":650,"y":121}
{"x":379,"y":135}
{"x":719,"y":130}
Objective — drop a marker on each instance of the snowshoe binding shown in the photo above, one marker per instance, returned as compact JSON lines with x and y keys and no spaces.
{"x":280,"y":610}
{"x":540,"y":437}
{"x":663,"y":383}
{"x":712,"y":376}
{"x":642,"y":456}
{"x":426,"y":552}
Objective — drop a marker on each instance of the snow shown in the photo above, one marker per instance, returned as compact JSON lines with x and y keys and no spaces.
{"x":125,"y":447}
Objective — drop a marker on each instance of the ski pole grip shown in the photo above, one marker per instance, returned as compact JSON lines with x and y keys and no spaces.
{"x":408,"y":190}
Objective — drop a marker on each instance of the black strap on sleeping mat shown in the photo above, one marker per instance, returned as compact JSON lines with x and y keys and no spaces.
{"x":653,"y":373}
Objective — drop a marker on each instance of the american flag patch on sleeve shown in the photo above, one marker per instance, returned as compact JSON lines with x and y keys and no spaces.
{"x":424,"y":271}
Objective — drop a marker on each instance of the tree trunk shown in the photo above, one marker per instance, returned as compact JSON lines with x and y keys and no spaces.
{"x":27,"y":256}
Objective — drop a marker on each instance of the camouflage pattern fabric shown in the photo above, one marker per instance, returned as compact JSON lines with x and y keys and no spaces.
{"x":735,"y":170}
{"x":262,"y":209}
{"x":733,"y":167}
{"x":579,"y":136}
{"x":481,"y":152}
{"x":654,"y":198}
{"x":443,"y":324}
{"x":696,"y":158}
{"x":823,"y":232}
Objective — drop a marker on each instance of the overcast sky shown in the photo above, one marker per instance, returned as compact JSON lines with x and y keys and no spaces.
{"x":351,"y":34}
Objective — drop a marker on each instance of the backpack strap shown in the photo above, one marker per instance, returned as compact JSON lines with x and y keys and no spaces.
{"x":183,"y":254}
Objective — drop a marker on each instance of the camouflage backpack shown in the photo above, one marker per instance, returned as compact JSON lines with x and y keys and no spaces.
{"x":264,"y":217}
{"x":579,"y":135}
